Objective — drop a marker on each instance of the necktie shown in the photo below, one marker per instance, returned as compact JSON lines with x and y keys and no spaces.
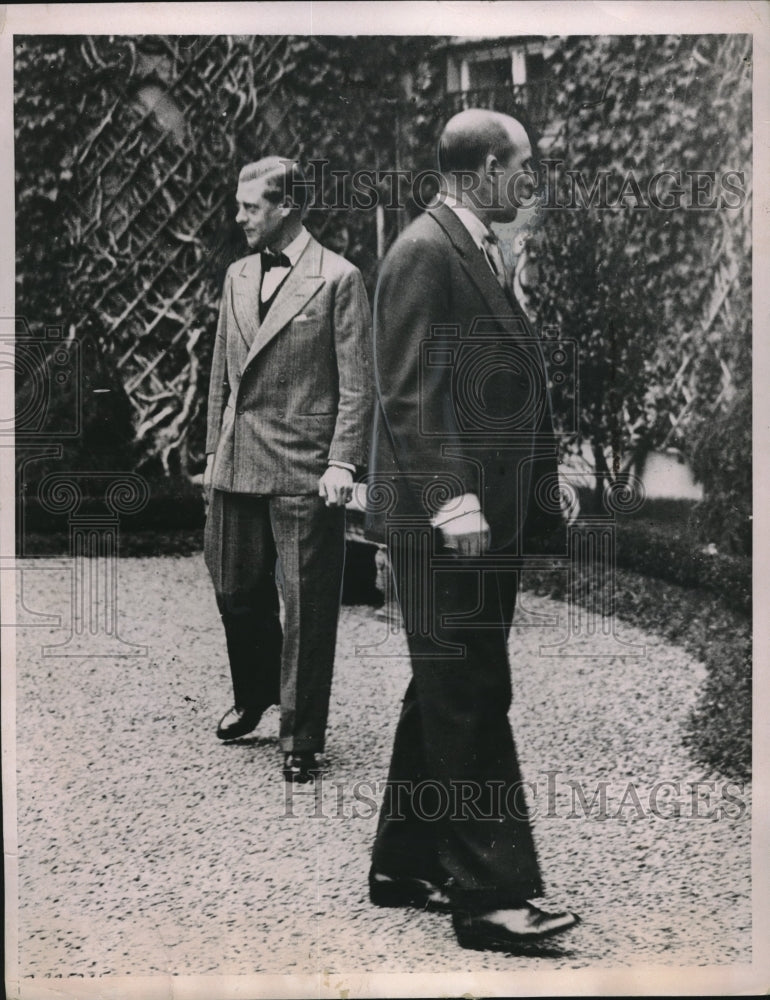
{"x":491,"y":250}
{"x":273,"y":260}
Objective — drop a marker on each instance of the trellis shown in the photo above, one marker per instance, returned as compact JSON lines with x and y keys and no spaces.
{"x":691,"y":390}
{"x":147,"y":207}
{"x":124,"y":217}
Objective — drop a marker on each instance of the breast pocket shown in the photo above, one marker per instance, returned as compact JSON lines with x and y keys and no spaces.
{"x":305,"y":325}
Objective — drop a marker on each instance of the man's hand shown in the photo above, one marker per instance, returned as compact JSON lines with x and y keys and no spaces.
{"x":336,"y":486}
{"x":469,"y":534}
{"x":207,"y":477}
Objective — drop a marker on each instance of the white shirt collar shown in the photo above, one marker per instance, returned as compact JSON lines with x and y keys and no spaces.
{"x":297,"y":245}
{"x":472,"y":222}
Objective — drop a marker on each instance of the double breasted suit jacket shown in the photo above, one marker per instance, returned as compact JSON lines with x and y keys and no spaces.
{"x":290,"y":394}
{"x":463,"y":403}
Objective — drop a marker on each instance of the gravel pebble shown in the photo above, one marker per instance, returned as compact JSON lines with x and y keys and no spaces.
{"x":147,"y":846}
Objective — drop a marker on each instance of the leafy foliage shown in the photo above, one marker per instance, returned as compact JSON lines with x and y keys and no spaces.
{"x":127,"y":154}
{"x":127,"y":151}
{"x":659,"y":299}
{"x":673,"y":554}
{"x":722,"y":462}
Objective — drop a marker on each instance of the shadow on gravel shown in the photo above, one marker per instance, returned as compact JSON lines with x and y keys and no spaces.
{"x":535,"y":950}
{"x":252,"y":741}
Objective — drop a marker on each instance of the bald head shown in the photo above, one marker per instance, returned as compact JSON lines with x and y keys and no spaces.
{"x":472,"y":135}
{"x":484,"y":157}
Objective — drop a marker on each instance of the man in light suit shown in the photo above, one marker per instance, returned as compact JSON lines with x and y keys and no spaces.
{"x":288,"y":424}
{"x":463,"y":464}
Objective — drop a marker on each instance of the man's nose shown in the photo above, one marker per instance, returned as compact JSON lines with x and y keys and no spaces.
{"x":240,"y":216}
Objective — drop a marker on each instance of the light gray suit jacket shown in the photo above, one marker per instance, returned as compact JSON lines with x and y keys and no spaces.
{"x":289,"y":395}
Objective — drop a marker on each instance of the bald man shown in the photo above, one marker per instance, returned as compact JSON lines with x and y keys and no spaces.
{"x":463,"y":448}
{"x":289,"y":413}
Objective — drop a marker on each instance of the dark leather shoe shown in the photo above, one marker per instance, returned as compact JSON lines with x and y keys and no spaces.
{"x":238,"y":722}
{"x":511,"y":929}
{"x":416,"y":892}
{"x":300,"y":767}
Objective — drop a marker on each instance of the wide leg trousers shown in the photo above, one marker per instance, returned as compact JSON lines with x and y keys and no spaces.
{"x":248,"y":538}
{"x":454,"y":806}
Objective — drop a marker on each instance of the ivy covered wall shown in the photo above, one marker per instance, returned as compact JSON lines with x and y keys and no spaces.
{"x":127,"y":157}
{"x":127,"y":154}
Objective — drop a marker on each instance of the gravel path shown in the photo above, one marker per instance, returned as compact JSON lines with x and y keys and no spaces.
{"x":146,"y":846}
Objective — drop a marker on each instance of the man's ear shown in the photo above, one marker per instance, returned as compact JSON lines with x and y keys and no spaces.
{"x":491,"y":166}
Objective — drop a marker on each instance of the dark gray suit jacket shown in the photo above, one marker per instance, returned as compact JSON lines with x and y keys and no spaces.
{"x":290,"y":394}
{"x":462,"y":396}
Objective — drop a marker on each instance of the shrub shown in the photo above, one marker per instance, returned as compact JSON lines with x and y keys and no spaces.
{"x":674,"y":554}
{"x":721,"y":460}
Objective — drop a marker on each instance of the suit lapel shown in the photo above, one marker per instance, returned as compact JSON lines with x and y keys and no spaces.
{"x":246,"y":299}
{"x":507,"y":312}
{"x":302,"y":283}
{"x":500,"y":306}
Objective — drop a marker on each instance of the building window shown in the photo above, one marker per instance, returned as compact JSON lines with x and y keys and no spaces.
{"x":511,"y":78}
{"x":485,"y":73}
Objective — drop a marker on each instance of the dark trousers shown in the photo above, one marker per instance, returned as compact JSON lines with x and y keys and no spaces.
{"x":293,"y":666}
{"x":454,"y":804}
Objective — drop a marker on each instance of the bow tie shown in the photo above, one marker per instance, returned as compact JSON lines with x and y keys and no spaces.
{"x":273,"y":260}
